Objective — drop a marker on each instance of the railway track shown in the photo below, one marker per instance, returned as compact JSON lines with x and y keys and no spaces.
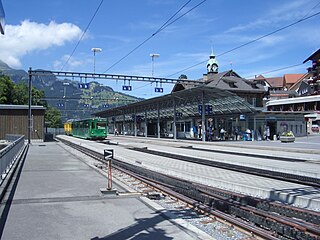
{"x":264,"y":219}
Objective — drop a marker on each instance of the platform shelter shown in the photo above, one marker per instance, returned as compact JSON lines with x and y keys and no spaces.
{"x":189,"y":113}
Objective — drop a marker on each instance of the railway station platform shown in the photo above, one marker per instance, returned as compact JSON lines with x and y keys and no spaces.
{"x":287,"y":158}
{"x":57,"y":195}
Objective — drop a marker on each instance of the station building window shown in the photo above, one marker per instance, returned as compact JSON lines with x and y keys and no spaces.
{"x":180,"y":127}
{"x":187,"y":126}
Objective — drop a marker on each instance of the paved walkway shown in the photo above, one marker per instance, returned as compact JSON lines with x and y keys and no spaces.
{"x":57,"y":196}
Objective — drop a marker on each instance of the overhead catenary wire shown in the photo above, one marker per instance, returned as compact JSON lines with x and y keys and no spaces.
{"x":164,"y":26}
{"x":278,"y":69}
{"x":250,"y":42}
{"x":84,"y":32}
{"x":271,"y":71}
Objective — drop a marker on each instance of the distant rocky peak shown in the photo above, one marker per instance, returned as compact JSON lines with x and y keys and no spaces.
{"x":4,"y":66}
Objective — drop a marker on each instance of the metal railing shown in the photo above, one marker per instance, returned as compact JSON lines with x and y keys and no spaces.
{"x":12,"y":137}
{"x":10,"y":153}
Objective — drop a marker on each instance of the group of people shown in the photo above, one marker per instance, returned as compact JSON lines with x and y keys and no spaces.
{"x":213,"y":133}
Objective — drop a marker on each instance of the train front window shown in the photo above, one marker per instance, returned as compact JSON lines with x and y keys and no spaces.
{"x":92,"y":125}
{"x":101,"y":125}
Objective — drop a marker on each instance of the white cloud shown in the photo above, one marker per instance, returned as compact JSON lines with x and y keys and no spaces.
{"x":29,"y":37}
{"x":72,"y":64}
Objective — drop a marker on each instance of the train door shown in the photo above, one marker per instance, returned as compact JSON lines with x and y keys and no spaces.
{"x":92,"y":128}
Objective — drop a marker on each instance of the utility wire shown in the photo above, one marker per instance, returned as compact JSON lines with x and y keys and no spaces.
{"x":255,"y":40}
{"x":271,"y":71}
{"x":311,"y":10}
{"x":75,"y":48}
{"x":164,"y":26}
{"x":279,"y":69}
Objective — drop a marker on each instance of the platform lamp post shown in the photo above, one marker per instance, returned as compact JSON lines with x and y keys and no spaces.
{"x":95,"y":50}
{"x":153,"y":55}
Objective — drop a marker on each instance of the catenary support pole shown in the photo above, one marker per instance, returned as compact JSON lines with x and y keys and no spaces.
{"x":29,"y":106}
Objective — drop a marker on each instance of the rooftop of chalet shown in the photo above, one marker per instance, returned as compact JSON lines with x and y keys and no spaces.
{"x":227,"y":80}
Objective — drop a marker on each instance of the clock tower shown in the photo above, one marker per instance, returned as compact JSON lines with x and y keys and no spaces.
{"x":212,"y":65}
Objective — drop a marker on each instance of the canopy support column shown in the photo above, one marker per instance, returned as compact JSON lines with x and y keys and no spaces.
{"x":203,"y":119}
{"x":254,"y":128}
{"x":135,"y":122}
{"x":158,"y":122}
{"x":145,"y":124}
{"x":174,"y":119}
{"x":123,"y":124}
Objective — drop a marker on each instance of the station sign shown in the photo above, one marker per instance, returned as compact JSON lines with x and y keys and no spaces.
{"x":178,"y":114}
{"x":126,"y":88}
{"x":84,"y":85}
{"x":158,"y":90}
{"x":138,"y":118}
{"x":208,"y":109}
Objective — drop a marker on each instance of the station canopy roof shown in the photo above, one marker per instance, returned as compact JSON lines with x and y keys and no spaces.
{"x":187,"y":103}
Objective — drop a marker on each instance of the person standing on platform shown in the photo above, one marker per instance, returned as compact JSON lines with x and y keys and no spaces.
{"x":116,"y":133}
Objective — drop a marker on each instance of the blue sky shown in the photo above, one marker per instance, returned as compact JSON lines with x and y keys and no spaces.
{"x":43,"y":34}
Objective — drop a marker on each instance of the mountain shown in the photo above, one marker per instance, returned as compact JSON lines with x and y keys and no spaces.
{"x":15,"y":75}
{"x":65,"y":94}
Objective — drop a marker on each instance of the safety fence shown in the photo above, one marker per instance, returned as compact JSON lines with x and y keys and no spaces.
{"x":10,"y":153}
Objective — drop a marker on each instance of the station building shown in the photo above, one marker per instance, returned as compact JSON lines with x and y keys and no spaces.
{"x":225,"y":106}
{"x":14,"y":120}
{"x":218,"y":106}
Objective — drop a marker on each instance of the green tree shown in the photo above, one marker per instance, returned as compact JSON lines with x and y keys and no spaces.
{"x":20,"y":94}
{"x":37,"y":97}
{"x":183,"y":76}
{"x":6,"y":90}
{"x":53,"y":117}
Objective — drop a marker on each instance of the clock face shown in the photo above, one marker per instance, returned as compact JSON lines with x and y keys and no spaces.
{"x":214,"y":67}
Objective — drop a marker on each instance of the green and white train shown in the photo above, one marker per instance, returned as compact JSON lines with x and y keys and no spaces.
{"x":90,"y":128}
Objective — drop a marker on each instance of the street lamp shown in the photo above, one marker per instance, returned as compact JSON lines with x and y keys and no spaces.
{"x":153,"y":55}
{"x":94,"y":50}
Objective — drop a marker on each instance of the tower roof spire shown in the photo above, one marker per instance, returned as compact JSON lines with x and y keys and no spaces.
{"x":212,"y":65}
